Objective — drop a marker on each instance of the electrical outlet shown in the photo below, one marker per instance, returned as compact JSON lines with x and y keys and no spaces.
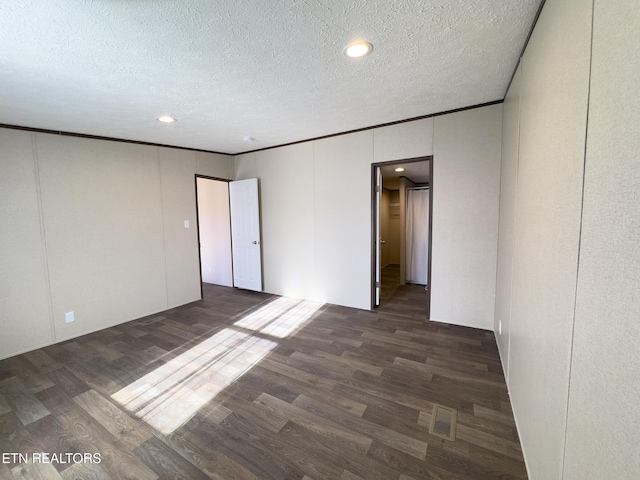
{"x":186,"y":224}
{"x":69,"y":317}
{"x":500,"y":327}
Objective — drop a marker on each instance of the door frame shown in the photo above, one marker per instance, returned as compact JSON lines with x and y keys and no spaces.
{"x":374,"y":223}
{"x":195,"y":183}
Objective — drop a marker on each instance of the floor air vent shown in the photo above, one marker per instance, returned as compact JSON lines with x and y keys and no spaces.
{"x":443,"y":422}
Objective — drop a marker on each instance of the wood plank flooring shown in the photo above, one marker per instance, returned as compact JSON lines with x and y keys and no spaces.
{"x":249,"y":386}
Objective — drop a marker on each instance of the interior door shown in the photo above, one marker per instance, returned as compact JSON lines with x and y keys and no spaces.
{"x":378,"y":278}
{"x":245,"y":234}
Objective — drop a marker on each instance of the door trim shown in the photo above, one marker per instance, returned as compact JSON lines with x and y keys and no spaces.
{"x":374,"y":221}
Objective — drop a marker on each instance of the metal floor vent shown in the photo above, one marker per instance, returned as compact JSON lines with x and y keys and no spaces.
{"x":443,"y":422}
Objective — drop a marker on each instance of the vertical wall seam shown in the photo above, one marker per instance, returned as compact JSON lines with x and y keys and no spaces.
{"x":43,"y":236}
{"x":500,"y":223}
{"x":495,"y":288}
{"x":515,"y":219}
{"x":234,"y":167}
{"x":164,"y":235}
{"x":433,"y":135}
{"x":314,"y":288}
{"x":513,"y":256}
{"x":575,"y":299}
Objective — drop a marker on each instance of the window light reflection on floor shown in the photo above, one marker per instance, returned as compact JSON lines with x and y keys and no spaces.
{"x":172,"y":394}
{"x":266,"y":314}
{"x":280,"y":318}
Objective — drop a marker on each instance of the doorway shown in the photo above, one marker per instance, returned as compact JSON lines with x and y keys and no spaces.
{"x":402,"y":206}
{"x":229,"y":246}
{"x":214,"y":231}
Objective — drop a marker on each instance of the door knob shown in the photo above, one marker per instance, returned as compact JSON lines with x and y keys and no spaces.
{"x":382,"y":242}
{"x":255,"y":242}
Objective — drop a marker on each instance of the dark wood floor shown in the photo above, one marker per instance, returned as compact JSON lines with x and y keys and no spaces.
{"x":244,"y":385}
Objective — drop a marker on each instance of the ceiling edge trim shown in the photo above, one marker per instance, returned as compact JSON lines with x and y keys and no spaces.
{"x":412,"y":119}
{"x":109,"y":139}
{"x":150,"y":144}
{"x":526,"y":43}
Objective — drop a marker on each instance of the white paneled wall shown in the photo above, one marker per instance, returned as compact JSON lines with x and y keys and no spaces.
{"x":182,"y":263}
{"x":549,"y":137}
{"x":603,"y":424}
{"x":286,"y":198}
{"x":103,"y":231}
{"x":405,"y":140}
{"x":25,"y":316}
{"x":508,"y":188}
{"x":113,"y":220}
{"x":316,"y":211}
{"x":466,"y":190}
{"x":569,"y":310}
{"x":97,"y":228}
{"x":548,"y":203}
{"x":342,"y":215}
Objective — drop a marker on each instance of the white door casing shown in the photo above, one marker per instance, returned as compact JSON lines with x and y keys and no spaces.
{"x":245,"y":234}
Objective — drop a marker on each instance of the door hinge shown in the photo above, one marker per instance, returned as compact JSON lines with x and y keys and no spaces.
{"x":378,"y":285}
{"x":377,"y":188}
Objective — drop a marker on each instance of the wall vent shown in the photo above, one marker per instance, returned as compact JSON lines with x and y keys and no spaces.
{"x":443,"y":422}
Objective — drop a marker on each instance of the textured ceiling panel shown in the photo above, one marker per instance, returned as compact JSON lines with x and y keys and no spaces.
{"x":271,"y":70}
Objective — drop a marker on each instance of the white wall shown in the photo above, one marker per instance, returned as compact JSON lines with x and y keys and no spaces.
{"x":508,"y":187}
{"x":548,"y":203}
{"x":214,"y":223}
{"x":603,"y":425}
{"x":573,"y":336}
{"x":25,"y":316}
{"x":466,"y":186}
{"x":552,"y":92}
{"x":95,"y":227}
{"x":177,"y":169}
{"x":103,"y":231}
{"x":404,"y":140}
{"x":342,"y":218}
{"x":318,"y":246}
{"x":115,"y":248}
{"x":286,"y":198}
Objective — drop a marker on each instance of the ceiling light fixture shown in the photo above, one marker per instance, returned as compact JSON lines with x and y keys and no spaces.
{"x":166,"y":119}
{"x":400,"y":169}
{"x":358,"y":49}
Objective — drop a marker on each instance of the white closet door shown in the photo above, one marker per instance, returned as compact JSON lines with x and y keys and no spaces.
{"x":245,"y":234}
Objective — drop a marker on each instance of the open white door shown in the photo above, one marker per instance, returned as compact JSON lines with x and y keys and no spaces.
{"x":245,"y":234}
{"x":378,"y":278}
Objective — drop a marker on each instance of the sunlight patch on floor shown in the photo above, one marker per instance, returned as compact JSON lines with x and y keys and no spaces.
{"x":172,"y":394}
{"x":282,"y":317}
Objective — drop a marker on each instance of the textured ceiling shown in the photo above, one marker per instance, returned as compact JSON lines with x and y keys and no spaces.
{"x":271,"y":70}
{"x":417,"y":172}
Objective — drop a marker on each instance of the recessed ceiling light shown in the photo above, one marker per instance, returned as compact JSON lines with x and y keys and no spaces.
{"x":166,"y":119}
{"x":358,"y":49}
{"x":400,"y":169}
